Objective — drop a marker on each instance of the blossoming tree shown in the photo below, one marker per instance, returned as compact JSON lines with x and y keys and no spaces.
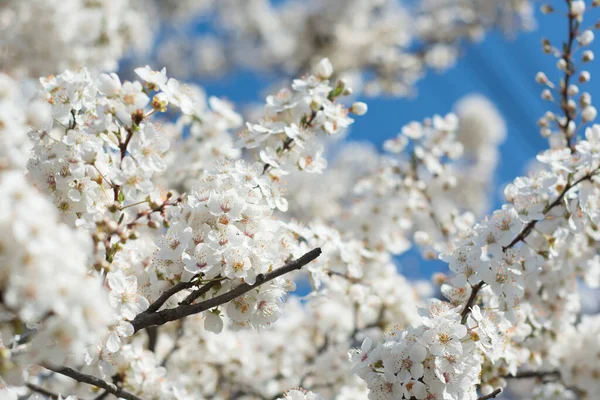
{"x":152,"y":237}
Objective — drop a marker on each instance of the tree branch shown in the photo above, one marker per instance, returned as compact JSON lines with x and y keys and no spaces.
{"x":146,"y":319}
{"x":491,"y":395}
{"x":534,"y":374}
{"x":92,"y":380}
{"x":168,"y":293}
{"x":467,"y":309}
{"x":41,"y":390}
{"x":199,"y":292}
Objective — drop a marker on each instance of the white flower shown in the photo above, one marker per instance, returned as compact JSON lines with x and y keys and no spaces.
{"x":124,"y":295}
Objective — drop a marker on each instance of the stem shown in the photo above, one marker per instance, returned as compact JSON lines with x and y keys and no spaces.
{"x":569,"y":71}
{"x":41,"y":390}
{"x":92,"y":380}
{"x":467,"y":309}
{"x":168,"y":293}
{"x":146,"y":319}
{"x":491,"y":395}
{"x":534,"y":374}
{"x":200,"y":292}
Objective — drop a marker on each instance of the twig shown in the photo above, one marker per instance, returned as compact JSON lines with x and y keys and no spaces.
{"x":199,"y":292}
{"x":467,"y":309}
{"x":41,"y":390}
{"x":146,"y":319}
{"x":534,"y":374}
{"x":92,"y":380}
{"x":152,"y":332}
{"x":168,"y":293}
{"x":491,"y":395}
{"x":102,"y":395}
{"x":569,"y":71}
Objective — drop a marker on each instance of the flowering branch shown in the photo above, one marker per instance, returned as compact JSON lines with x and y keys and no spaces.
{"x":92,"y":380}
{"x":569,"y":71}
{"x":523,"y":235}
{"x":146,"y":319}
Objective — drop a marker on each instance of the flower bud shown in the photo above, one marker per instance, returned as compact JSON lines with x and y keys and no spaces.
{"x":589,"y":113}
{"x":324,"y":69}
{"x":153,"y":224}
{"x":585,"y":99}
{"x":577,"y":8}
{"x":359,"y":108}
{"x":584,"y":76}
{"x":586,"y":38}
{"x":572,"y":90}
{"x":541,"y":78}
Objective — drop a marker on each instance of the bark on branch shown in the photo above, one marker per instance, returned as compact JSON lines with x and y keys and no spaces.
{"x":146,"y":319}
{"x":534,"y":374}
{"x":92,"y":380}
{"x":491,"y":395}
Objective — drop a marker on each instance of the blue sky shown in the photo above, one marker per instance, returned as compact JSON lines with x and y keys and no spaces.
{"x":500,"y":68}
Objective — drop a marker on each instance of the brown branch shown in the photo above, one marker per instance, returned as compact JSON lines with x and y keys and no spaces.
{"x":491,"y":395}
{"x":467,"y":309}
{"x":92,"y":380}
{"x":41,"y":390}
{"x":152,"y":332}
{"x":102,"y":395}
{"x":168,"y":293}
{"x":199,"y":292}
{"x":534,"y":374}
{"x":145,"y":319}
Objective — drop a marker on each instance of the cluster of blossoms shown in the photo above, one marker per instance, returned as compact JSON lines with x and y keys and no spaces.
{"x":39,"y":322}
{"x":294,"y":118}
{"x":45,"y":37}
{"x":436,"y":359}
{"x":199,"y":140}
{"x":225,"y":232}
